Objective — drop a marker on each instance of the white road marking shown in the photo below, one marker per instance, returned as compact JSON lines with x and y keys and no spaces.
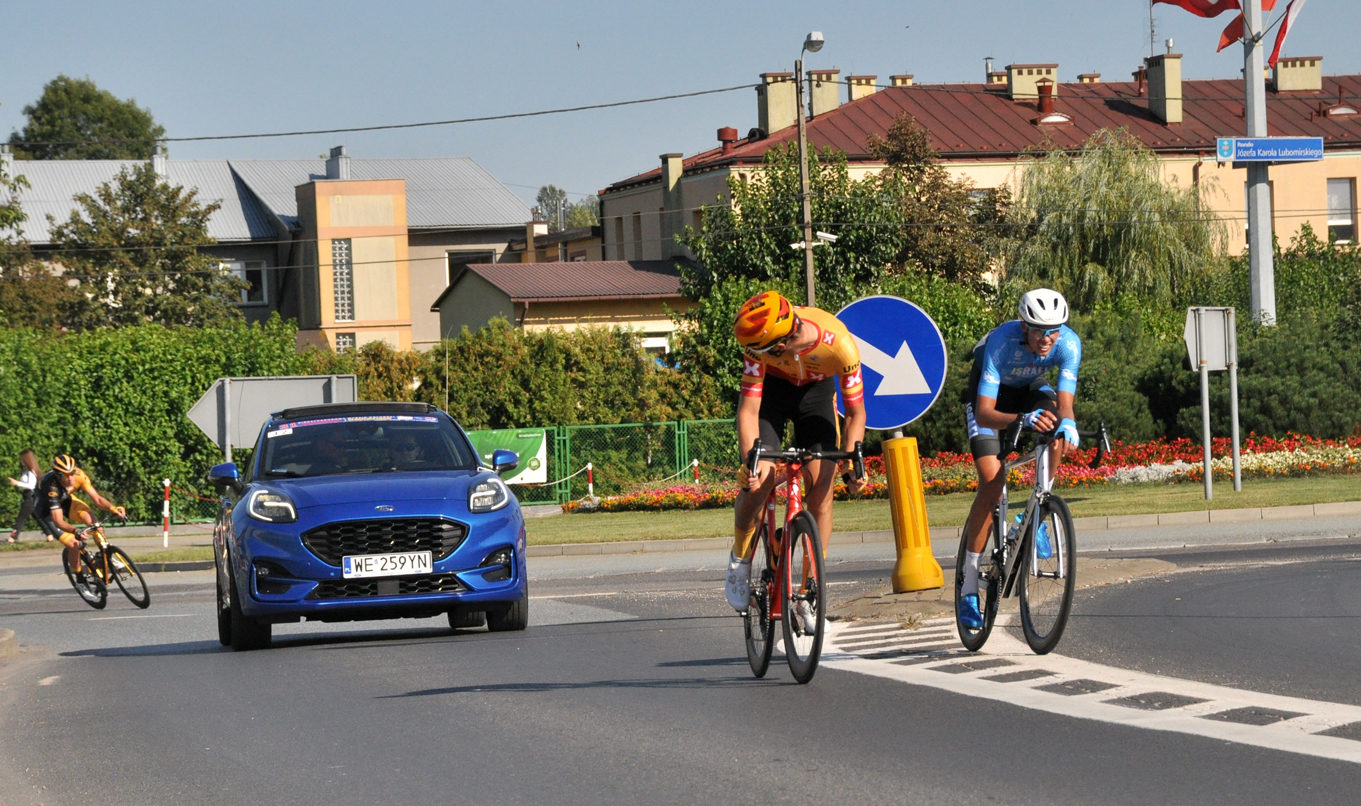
{"x":576,"y":595}
{"x":1297,"y":730}
{"x":149,"y":615}
{"x":47,"y":681}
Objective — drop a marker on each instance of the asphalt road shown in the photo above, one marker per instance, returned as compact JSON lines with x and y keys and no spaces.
{"x":631,"y":686}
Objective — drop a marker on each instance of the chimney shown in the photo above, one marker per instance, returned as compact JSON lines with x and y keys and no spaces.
{"x":533,"y":229}
{"x":727,"y":136}
{"x":673,"y":207}
{"x":1164,"y":87}
{"x":1140,"y":76}
{"x":1045,"y":88}
{"x":6,"y":161}
{"x":1089,"y":78}
{"x":776,"y":102}
{"x":1298,"y":73}
{"x":338,"y":166}
{"x":860,"y":87}
{"x":987,"y":69}
{"x":1021,"y":79}
{"x":159,"y":162}
{"x":902,"y":80}
{"x":824,"y":95}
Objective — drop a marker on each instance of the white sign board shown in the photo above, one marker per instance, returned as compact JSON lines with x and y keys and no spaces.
{"x":1210,"y":338}
{"x":233,"y":410}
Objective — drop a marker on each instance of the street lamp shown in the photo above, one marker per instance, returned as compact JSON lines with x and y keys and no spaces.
{"x":811,"y":44}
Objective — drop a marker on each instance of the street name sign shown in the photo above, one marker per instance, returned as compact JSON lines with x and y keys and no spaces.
{"x":1269,"y":149}
{"x":232,"y":411}
{"x":902,"y":359}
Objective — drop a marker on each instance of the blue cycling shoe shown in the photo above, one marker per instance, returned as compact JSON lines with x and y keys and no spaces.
{"x":1044,"y":549}
{"x":969,"y":614}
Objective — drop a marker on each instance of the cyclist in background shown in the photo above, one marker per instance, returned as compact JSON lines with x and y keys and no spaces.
{"x":792,"y":358}
{"x":58,"y":507}
{"x":1007,"y":384}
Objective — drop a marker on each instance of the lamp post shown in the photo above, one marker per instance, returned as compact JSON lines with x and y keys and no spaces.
{"x":811,"y":44}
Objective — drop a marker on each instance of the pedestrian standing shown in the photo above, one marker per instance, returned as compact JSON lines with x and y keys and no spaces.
{"x":28,"y":485}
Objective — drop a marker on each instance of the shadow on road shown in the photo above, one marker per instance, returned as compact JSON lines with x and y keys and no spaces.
{"x":706,"y":683}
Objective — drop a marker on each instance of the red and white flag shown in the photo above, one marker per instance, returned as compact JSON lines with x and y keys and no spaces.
{"x":1203,"y":8}
{"x":1234,"y":31}
{"x":1291,"y":11}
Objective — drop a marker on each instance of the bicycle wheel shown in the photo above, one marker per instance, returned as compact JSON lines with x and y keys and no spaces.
{"x":1047,"y":583}
{"x":989,"y":587}
{"x":89,"y":587}
{"x":805,"y":600}
{"x":756,"y":622}
{"x":130,"y":580}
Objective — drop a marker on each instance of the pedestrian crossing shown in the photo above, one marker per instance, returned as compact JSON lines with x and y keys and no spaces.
{"x":929,"y":654}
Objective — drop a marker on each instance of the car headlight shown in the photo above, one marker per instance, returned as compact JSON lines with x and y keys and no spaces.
{"x":271,"y":507}
{"x":488,"y":496}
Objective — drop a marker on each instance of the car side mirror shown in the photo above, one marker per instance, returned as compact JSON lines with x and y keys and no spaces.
{"x":503,"y":460}
{"x":225,"y":477}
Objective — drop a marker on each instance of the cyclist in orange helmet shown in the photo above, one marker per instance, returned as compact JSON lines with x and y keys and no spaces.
{"x":792,"y":358}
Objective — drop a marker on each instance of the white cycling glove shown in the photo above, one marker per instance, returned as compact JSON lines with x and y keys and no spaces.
{"x":1068,"y":429}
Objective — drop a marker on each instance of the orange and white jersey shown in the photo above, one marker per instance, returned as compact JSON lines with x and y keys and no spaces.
{"x":834,"y":353}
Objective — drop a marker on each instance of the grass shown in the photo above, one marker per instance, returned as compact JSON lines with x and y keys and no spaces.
{"x":180,"y":555}
{"x":951,"y":510}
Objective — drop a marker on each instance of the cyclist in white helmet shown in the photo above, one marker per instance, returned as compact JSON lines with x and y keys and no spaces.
{"x":1008,"y":384}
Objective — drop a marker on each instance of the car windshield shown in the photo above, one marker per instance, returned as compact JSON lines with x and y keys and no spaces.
{"x":379,"y":443}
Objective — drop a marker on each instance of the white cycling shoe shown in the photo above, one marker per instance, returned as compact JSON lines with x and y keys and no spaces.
{"x":807,"y":618}
{"x":738,"y":587}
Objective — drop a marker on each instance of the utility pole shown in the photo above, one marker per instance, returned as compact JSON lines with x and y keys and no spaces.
{"x":803,"y":185}
{"x":1262,"y":283}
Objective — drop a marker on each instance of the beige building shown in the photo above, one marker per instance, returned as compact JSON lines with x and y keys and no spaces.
{"x":982,"y":130}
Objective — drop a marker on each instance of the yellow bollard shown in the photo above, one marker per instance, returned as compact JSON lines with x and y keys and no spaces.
{"x":916,"y":569}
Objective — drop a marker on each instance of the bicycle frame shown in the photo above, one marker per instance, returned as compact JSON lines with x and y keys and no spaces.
{"x":1044,"y":486}
{"x":793,"y":484}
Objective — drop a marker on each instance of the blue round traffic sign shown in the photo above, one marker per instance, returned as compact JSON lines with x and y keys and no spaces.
{"x":902,"y":359}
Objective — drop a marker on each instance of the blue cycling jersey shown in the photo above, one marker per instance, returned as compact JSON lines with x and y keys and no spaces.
{"x":1004,"y":360}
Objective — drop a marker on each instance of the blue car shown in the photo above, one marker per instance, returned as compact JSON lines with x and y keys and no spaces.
{"x":354,"y":511}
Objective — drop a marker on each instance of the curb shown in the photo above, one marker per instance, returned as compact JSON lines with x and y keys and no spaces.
{"x":186,"y":565}
{"x":9,"y":644}
{"x":943,"y":533}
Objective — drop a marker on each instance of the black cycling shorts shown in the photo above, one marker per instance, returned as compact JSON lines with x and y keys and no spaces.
{"x":1010,"y":400}
{"x":812,"y":407}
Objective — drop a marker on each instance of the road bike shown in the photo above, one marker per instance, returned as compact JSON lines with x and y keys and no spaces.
{"x":1016,"y":563}
{"x":786,"y":576}
{"x":106,"y":563}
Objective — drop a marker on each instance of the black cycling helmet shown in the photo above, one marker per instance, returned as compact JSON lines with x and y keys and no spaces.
{"x":64,"y":463}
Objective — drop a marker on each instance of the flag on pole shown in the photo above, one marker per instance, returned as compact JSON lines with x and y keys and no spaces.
{"x":1233,"y":32}
{"x":1203,"y":8}
{"x":1291,"y":11}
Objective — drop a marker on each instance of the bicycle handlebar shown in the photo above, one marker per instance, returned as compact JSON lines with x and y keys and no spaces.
{"x":757,"y":453}
{"x":1103,"y":439}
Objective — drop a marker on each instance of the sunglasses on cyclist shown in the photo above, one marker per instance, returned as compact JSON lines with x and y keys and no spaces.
{"x":1047,"y":332}
{"x":781,"y":342}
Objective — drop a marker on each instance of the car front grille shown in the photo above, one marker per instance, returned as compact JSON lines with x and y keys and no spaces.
{"x":369,"y":588}
{"x":333,"y":541}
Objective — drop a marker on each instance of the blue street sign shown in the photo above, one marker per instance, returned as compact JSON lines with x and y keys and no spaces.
{"x":1269,"y":149}
{"x":902,"y":359}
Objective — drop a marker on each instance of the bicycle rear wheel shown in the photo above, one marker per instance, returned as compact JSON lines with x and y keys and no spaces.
{"x":130,"y":580}
{"x":989,"y":587}
{"x":1047,"y":582}
{"x":805,"y":600}
{"x":756,"y":622}
{"x":89,"y":587}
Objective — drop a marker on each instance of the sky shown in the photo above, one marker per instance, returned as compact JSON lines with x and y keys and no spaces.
{"x":212,"y":68}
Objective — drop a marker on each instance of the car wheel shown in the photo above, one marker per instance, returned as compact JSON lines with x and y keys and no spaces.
{"x":461,"y":619}
{"x":512,"y":618}
{"x":224,"y":614}
{"x":246,"y":632}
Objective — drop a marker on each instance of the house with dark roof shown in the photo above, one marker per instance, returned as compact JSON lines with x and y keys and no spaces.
{"x":982,"y":130}
{"x":634,"y":294}
{"x":353,"y":249}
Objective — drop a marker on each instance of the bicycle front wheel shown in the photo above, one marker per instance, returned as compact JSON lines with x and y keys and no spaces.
{"x":130,"y":580}
{"x":805,"y":600}
{"x":89,"y":587}
{"x":1047,"y":582}
{"x":759,"y":626}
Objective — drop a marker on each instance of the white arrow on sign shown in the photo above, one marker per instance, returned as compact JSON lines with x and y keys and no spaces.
{"x":901,"y":375}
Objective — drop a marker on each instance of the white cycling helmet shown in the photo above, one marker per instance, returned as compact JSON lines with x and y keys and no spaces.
{"x":1043,"y":307}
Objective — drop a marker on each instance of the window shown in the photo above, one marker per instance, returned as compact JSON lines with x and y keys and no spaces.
{"x":458,"y":260}
{"x":619,"y":238}
{"x":1342,"y":210}
{"x":344,"y":342}
{"x":342,"y":272}
{"x":637,"y":236}
{"x":252,"y":273}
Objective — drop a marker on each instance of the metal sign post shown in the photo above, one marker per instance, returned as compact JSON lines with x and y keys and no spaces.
{"x":232,"y":411}
{"x":1212,"y":343}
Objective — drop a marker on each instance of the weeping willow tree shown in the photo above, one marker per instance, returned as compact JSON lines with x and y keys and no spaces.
{"x":1103,"y":227}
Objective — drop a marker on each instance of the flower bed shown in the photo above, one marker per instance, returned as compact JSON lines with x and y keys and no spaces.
{"x":1161,"y":461}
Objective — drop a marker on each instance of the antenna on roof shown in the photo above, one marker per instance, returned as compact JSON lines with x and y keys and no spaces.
{"x":1152,"y":32}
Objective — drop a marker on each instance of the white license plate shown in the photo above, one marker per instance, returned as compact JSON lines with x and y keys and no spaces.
{"x":386,"y":565}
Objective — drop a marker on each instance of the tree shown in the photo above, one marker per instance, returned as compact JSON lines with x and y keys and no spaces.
{"x":584,"y":213}
{"x":75,"y":120}
{"x":1102,"y":227}
{"x":133,"y":246}
{"x":30,"y":295}
{"x":548,"y":201}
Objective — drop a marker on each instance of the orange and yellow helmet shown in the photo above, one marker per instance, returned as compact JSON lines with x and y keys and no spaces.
{"x":64,"y":464}
{"x":764,"y":320}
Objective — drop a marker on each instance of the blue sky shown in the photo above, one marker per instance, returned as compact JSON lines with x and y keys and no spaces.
{"x":237,"y":67}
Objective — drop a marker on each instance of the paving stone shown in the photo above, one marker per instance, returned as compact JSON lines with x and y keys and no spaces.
{"x":1350,"y":731}
{"x":974,"y":665}
{"x":1252,"y":715}
{"x":1017,"y":677}
{"x":1075,"y":687}
{"x":1155,"y":701}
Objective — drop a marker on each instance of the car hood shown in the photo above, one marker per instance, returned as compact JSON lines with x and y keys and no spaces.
{"x":376,"y":488}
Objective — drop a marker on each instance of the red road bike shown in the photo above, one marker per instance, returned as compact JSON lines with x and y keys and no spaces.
{"x":786,"y":576}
